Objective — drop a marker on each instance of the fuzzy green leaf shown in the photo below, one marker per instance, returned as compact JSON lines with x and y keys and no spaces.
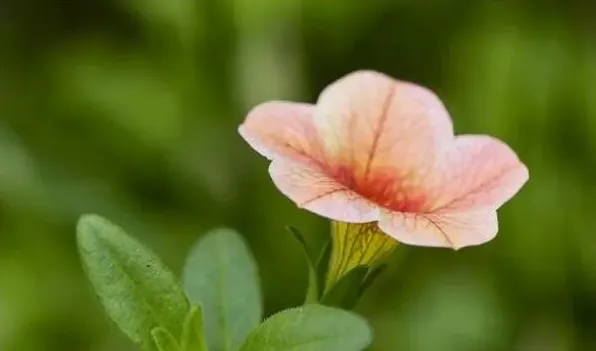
{"x":193,"y":333}
{"x":164,"y":341}
{"x":221,"y":276}
{"x":137,"y":290}
{"x":310,"y":328}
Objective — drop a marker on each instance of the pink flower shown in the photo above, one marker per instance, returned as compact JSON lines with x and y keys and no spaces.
{"x":375,"y":149}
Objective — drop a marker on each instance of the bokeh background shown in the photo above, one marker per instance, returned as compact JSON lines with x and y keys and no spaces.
{"x":129,"y":109}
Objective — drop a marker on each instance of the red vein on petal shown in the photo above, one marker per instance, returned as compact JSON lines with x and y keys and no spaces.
{"x":445,"y":236}
{"x":330,"y":192}
{"x":477,"y":188}
{"x":379,"y":129}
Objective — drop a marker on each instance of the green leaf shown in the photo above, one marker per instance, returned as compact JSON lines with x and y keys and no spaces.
{"x":164,"y":340}
{"x":310,"y":328}
{"x":312,"y":291}
{"x":323,"y":266}
{"x":193,"y":333}
{"x":371,"y":277}
{"x":221,"y":275}
{"x":345,"y":293}
{"x":137,"y":290}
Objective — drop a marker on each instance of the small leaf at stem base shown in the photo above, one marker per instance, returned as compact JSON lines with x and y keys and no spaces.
{"x":193,"y":333}
{"x":346,"y":292}
{"x":164,"y":341}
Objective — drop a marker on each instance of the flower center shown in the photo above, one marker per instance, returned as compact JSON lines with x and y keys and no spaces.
{"x":384,"y":188}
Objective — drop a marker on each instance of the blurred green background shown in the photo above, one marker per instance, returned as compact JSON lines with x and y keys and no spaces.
{"x":129,"y":109}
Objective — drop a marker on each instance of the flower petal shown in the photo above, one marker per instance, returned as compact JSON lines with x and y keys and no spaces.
{"x":373,"y":120}
{"x":479,"y":172}
{"x":312,"y":189}
{"x":449,"y":229}
{"x":281,"y":129}
{"x":285,"y":133}
{"x":371,"y":125}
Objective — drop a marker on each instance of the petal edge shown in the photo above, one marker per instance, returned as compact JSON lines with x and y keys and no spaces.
{"x":281,"y":129}
{"x":450,"y":229}
{"x":310,"y":188}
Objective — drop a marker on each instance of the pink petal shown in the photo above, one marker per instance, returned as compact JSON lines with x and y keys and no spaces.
{"x":284,"y":132}
{"x":281,"y":129}
{"x":451,"y":229}
{"x":376,"y":127}
{"x":478,"y":172}
{"x":312,"y":189}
